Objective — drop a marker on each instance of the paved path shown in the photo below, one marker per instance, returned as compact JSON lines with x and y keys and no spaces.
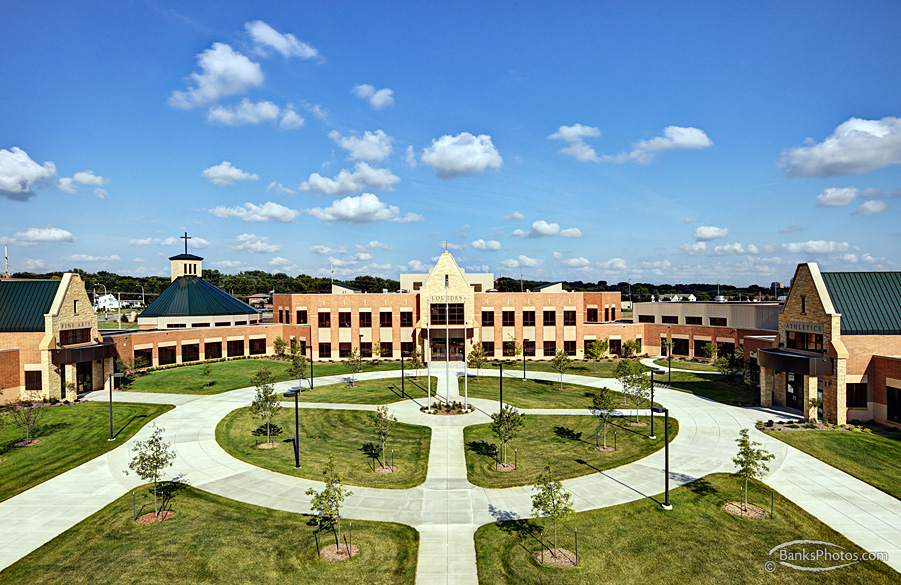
{"x":447,"y":509}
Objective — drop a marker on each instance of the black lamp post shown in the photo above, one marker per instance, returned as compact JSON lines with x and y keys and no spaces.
{"x":523,"y":360}
{"x":295,"y":395}
{"x":112,"y":377}
{"x":402,"y":377}
{"x":669,"y":351}
{"x":310,"y":347}
{"x":501,"y":365}
{"x":658,"y":372}
{"x":665,"y":411}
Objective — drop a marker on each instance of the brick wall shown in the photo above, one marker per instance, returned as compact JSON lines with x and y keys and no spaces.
{"x":11,"y":377}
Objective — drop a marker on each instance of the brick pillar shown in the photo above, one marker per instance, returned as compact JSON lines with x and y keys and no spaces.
{"x":809,"y":391}
{"x":835,"y":408}
{"x":779,"y":388}
{"x":766,"y":387}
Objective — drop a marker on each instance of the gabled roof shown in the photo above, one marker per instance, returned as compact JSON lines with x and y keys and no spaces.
{"x":191,"y":296}
{"x":23,"y":303}
{"x":869,"y":302}
{"x":186,"y":257}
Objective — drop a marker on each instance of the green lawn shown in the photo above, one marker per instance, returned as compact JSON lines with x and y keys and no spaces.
{"x":696,"y":542}
{"x":567,"y":442}
{"x":213,"y":540}
{"x":536,"y":393}
{"x":577,"y":368}
{"x":708,"y":386}
{"x":349,"y":435}
{"x":870,"y":458}
{"x":70,"y":435}
{"x":682,"y":365}
{"x":381,"y":391}
{"x":231,"y":375}
{"x":116,"y":325}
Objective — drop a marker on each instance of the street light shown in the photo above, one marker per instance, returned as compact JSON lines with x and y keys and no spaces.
{"x":111,"y":377}
{"x":665,"y":411}
{"x":669,"y":351}
{"x":295,"y":396}
{"x":501,"y":378}
{"x":309,"y":346}
{"x":402,"y":376}
{"x":658,"y":372}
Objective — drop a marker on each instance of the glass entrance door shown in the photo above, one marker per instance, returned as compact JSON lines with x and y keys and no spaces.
{"x":792,"y":391}
{"x":84,"y":373}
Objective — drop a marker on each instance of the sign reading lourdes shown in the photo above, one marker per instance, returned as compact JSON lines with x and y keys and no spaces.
{"x":440,"y":298}
{"x":802,"y":327}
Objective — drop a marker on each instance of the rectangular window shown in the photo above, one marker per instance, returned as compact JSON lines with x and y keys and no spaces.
{"x":200,"y":324}
{"x":344,"y":319}
{"x":167,"y":355}
{"x":175,"y":326}
{"x":488,"y":346}
{"x":288,"y":316}
{"x":366,"y":349}
{"x":550,"y":348}
{"x":73,"y":336}
{"x":222,"y":324}
{"x":33,"y":381}
{"x":718,"y":322}
{"x":301,"y":317}
{"x":385,"y":319}
{"x":672,"y":319}
{"x":615,"y":347}
{"x":325,"y":350}
{"x":236,"y":348}
{"x":699,"y":347}
{"x":509,"y":319}
{"x":257,"y":346}
{"x":407,"y":347}
{"x":144,"y":357}
{"x":240,"y":322}
{"x":487,"y":318}
{"x":613,"y":313}
{"x":281,"y":316}
{"x":805,"y":341}
{"x":417,"y":285}
{"x":344,"y":350}
{"x":212,"y":350}
{"x":406,"y":318}
{"x":528,"y":318}
{"x":325,"y":319}
{"x":803,"y":304}
{"x":387,"y":350}
{"x":446,"y":314}
{"x":569,"y":347}
{"x":477,"y":288}
{"x":528,"y":348}
{"x":693,"y":320}
{"x":569,"y":318}
{"x":680,"y":347}
{"x":591,"y":315}
{"x":646,"y":318}
{"x":190,"y":352}
{"x":607,"y":314}
{"x":365,"y":319}
{"x":550,"y":318}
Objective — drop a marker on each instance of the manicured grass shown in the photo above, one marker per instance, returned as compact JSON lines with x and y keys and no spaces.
{"x":116,"y":325}
{"x":577,"y":368}
{"x":537,"y":393}
{"x":870,"y":458}
{"x":708,"y":386}
{"x":381,"y":391}
{"x":349,"y":435}
{"x":682,"y":365}
{"x":696,"y":542}
{"x":70,"y":435}
{"x":567,"y":442}
{"x":214,"y":540}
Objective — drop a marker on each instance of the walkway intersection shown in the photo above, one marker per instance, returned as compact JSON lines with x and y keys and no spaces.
{"x":446,"y":509}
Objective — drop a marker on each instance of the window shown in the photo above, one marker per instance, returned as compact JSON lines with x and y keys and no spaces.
{"x":550,"y":318}
{"x":366,"y":349}
{"x":509,"y":348}
{"x":569,"y":347}
{"x":446,"y":314}
{"x":200,"y":324}
{"x":477,"y":288}
{"x":591,"y":315}
{"x":301,"y":317}
{"x":693,"y":321}
{"x":190,"y":352}
{"x":805,"y":341}
{"x":257,"y":346}
{"x":236,"y":348}
{"x":212,"y":350}
{"x":325,"y":319}
{"x":646,"y":319}
{"x":718,"y":322}
{"x":700,"y":344}
{"x":344,"y":349}
{"x":569,"y":318}
{"x":406,"y":318}
{"x":387,"y":350}
{"x":281,"y":316}
{"x":528,"y":318}
{"x":167,"y":355}
{"x":240,"y":322}
{"x":607,"y":314}
{"x":488,"y":346}
{"x":673,"y":319}
{"x":73,"y":336}
{"x":143,"y":357}
{"x":509,"y":319}
{"x":613,"y":313}
{"x":385,"y":319}
{"x":550,"y":348}
{"x":680,"y":347}
{"x":33,"y":381}
{"x":407,"y":347}
{"x":856,"y":394}
{"x":175,"y":326}
{"x":803,"y":304}
{"x":325,"y":350}
{"x":365,"y":319}
{"x":487,"y":318}
{"x":222,"y":324}
{"x":528,"y":348}
{"x":417,"y":285}
{"x":288,"y":316}
{"x":344,"y":319}
{"x":75,"y":306}
{"x":615,"y":347}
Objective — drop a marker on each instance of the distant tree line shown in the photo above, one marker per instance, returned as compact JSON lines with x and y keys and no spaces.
{"x":642,"y":291}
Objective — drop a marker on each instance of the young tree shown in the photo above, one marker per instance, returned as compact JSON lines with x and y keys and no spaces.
{"x":354,"y":363}
{"x":560,"y":364}
{"x":815,"y":405}
{"x":512,"y":347}
{"x":602,"y":407}
{"x":730,"y":364}
{"x":416,"y":361}
{"x":631,"y":347}
{"x":151,"y":458}
{"x":207,"y":373}
{"x":634,"y":383}
{"x":750,"y":461}
{"x":550,"y":500}
{"x":505,"y":424}
{"x":279,"y":346}
{"x":298,"y":368}
{"x":384,"y":424}
{"x":477,"y":358}
{"x":376,"y":353}
{"x":596,"y":351}
{"x":327,"y":503}
{"x":265,"y":403}
{"x":709,"y":351}
{"x":27,"y":416}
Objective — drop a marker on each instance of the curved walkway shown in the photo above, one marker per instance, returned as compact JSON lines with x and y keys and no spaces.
{"x":447,"y":509}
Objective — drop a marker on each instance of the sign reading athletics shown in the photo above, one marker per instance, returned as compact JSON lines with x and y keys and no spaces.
{"x":802,"y":327}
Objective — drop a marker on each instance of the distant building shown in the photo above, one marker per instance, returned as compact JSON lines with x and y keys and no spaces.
{"x":106,"y":303}
{"x":777,"y":285}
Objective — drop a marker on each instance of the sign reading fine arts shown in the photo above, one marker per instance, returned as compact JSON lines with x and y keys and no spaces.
{"x":802,"y":327}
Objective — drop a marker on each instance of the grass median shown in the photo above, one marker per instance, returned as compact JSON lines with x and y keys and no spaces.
{"x":381,"y":391}
{"x":601,"y":369}
{"x":539,"y":393}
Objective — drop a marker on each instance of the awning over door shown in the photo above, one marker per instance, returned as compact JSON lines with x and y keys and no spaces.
{"x":83,"y":353}
{"x":781,"y":360}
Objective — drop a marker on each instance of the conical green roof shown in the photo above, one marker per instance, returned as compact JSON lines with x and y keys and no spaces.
{"x":191,"y":296}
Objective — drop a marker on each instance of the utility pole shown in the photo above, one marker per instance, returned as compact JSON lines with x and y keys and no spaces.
{"x":520,"y":279}
{"x":6,"y":255}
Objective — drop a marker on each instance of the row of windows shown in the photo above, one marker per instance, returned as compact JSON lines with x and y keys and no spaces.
{"x":190,"y":352}
{"x":73,"y":336}
{"x":386,"y":319}
{"x":456,"y":314}
{"x":674,"y":320}
{"x":549,"y":318}
{"x":804,"y":341}
{"x":217,"y":324}
{"x":508,"y":349}
{"x":386,"y":349}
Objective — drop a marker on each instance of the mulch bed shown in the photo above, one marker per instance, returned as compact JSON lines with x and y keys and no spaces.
{"x":27,"y":443}
{"x":556,"y":557}
{"x":503,"y":467}
{"x":268,"y":446}
{"x":152,"y":518}
{"x":603,"y":448}
{"x":638,"y":424}
{"x":386,"y":469}
{"x":450,"y":412}
{"x":751,"y":512}
{"x":333,"y":553}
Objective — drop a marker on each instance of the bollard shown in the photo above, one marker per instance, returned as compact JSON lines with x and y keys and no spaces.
{"x":515,"y":466}
{"x":614,"y":440}
{"x":772,"y":498}
{"x":316,"y":536}
{"x":596,"y":440}
{"x":134,"y":513}
{"x":392,"y":459}
{"x":350,"y":529}
{"x":576,"y":533}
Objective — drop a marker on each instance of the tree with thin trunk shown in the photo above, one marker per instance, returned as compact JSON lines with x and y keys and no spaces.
{"x":550,"y":500}
{"x":376,"y":353}
{"x":27,"y":416}
{"x":477,"y":358}
{"x":631,"y":347}
{"x":207,"y":373}
{"x":635,"y":385}
{"x":560,"y":364}
{"x":596,"y":351}
{"x":416,"y":361}
{"x":298,"y":368}
{"x":265,"y":403}
{"x":512,"y":347}
{"x":505,"y":424}
{"x":384,"y":425}
{"x":151,"y":458}
{"x":751,"y":461}
{"x":602,"y":407}
{"x":327,"y":503}
{"x":279,"y":346}
{"x":709,"y":351}
{"x":815,"y":405}
{"x":354,"y":364}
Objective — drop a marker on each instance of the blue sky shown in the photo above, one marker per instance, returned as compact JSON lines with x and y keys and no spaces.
{"x":642,"y":140}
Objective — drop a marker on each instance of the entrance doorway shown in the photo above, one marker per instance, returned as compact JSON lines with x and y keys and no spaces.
{"x":84,"y":377}
{"x":440,"y":349}
{"x":793,"y":394}
{"x":893,"y":398}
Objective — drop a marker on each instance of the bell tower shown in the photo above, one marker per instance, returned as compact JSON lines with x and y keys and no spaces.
{"x":186,"y":264}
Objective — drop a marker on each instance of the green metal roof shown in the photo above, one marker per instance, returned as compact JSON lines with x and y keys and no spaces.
{"x":869,"y":302}
{"x":186,"y":257}
{"x":23,"y":303}
{"x":191,"y":296}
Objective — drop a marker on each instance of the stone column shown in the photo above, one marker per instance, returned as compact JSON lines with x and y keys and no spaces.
{"x":766,"y":387}
{"x":808,"y":392}
{"x":779,"y":388}
{"x":835,"y":408}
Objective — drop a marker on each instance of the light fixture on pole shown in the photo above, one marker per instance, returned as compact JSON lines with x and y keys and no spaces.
{"x":310,"y":347}
{"x":658,"y":372}
{"x":465,"y":370}
{"x":501,"y":378}
{"x":666,"y":505}
{"x":112,"y":377}
{"x":402,"y":375}
{"x":669,"y":351}
{"x":295,"y":396}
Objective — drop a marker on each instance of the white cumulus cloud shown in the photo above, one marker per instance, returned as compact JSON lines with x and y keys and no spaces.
{"x":577,"y":147}
{"x":486,"y":246}
{"x":287,"y":44}
{"x":226,"y":174}
{"x":816,"y":247}
{"x":522,"y":261}
{"x":579,"y":262}
{"x":463,"y":154}
{"x":856,"y":146}
{"x":365,"y":208}
{"x":89,"y":258}
{"x":18,"y":174}
{"x":35,"y":235}
{"x":543,"y":229}
{"x":363,"y":177}
{"x":247,"y":112}
{"x":378,"y":99}
{"x":371,"y":147}
{"x":871,"y":208}
{"x":514,"y":215}
{"x":275,"y":187}
{"x":223,"y":72}
{"x":834,"y":197}
{"x":614,"y":265}
{"x":674,"y":138}
{"x":707,"y":233}
{"x":268,"y":211}
{"x":254,"y":244}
